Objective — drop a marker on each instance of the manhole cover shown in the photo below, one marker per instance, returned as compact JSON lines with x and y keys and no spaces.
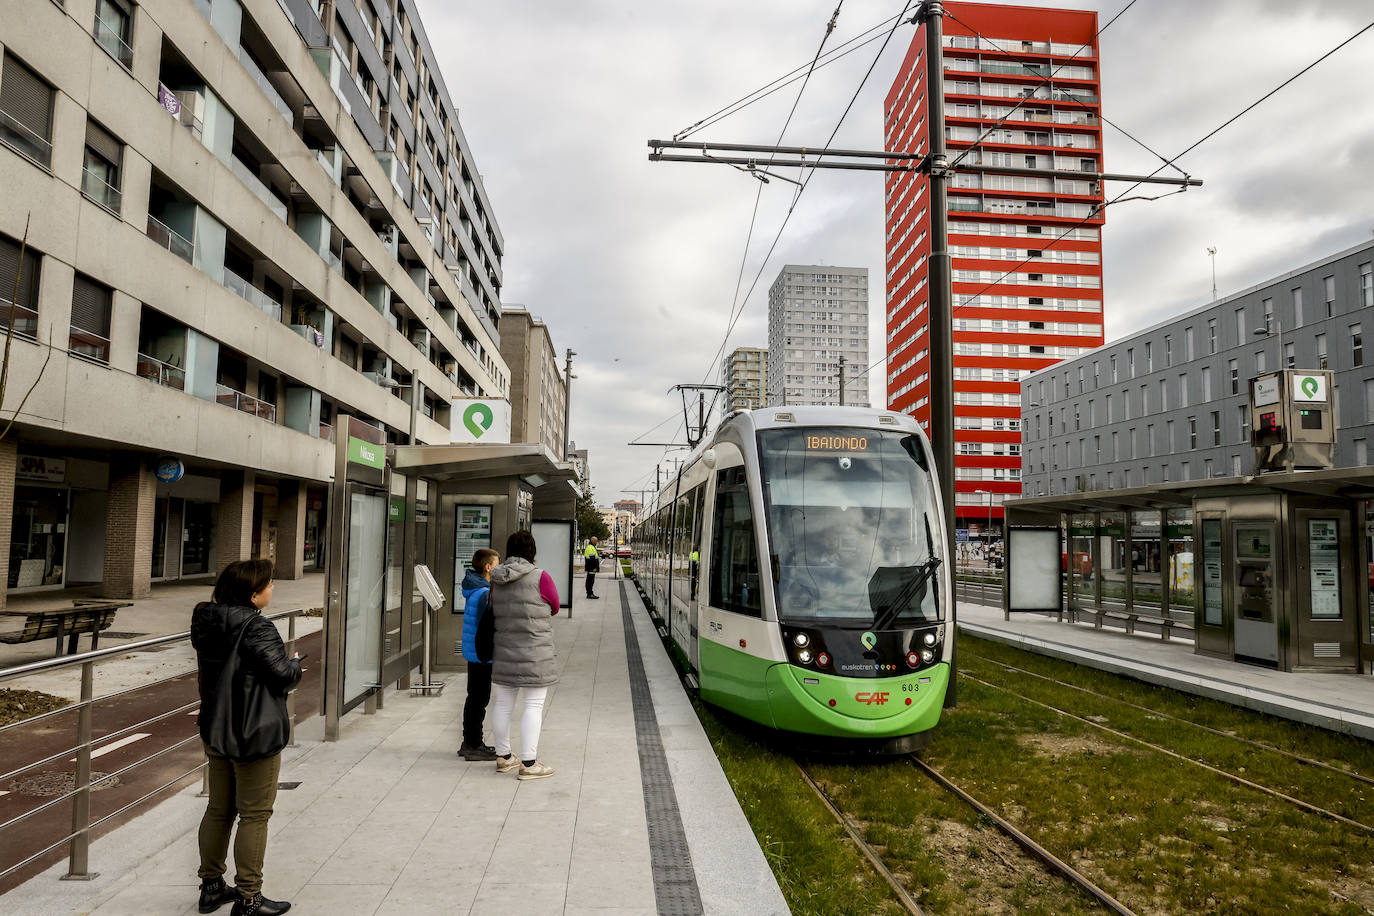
{"x":50,"y":784}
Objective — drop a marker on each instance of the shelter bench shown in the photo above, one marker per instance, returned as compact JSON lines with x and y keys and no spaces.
{"x":84,"y":616}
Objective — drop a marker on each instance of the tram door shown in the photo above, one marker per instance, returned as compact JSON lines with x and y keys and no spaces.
{"x":1326,"y":588}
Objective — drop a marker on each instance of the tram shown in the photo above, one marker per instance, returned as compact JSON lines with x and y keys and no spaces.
{"x":798,"y":564}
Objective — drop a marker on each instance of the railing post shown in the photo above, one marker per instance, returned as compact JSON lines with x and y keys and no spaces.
{"x":78,"y":856}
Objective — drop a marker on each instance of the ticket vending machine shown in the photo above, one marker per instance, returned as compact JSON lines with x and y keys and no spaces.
{"x":1256,"y":576}
{"x":1293,"y":420}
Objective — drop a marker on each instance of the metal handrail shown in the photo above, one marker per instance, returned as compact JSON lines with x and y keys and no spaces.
{"x":82,"y":825}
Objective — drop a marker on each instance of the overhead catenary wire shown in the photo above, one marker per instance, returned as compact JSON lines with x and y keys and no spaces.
{"x":834,"y":55}
{"x":1171,"y":162}
{"x":758,"y":194}
{"x":739,"y":309}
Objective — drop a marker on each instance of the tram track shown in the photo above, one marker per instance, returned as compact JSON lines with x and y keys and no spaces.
{"x":1239,"y":780}
{"x":1259,"y":745}
{"x":1034,"y":850}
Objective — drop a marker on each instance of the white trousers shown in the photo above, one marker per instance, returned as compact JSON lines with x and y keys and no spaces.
{"x":531,"y":718}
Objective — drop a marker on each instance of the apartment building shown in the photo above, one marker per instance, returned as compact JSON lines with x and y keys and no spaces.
{"x":244,"y":218}
{"x":538,"y":394}
{"x":1021,"y":90}
{"x":744,"y":374}
{"x":1170,"y":403}
{"x":816,"y":315}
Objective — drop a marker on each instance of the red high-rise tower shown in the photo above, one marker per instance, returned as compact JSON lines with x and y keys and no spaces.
{"x":1043,"y":310}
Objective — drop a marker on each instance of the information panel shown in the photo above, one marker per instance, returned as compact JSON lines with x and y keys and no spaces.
{"x":1324,"y":562}
{"x":1034,"y":580}
{"x":1211,"y":572}
{"x":471,"y":533}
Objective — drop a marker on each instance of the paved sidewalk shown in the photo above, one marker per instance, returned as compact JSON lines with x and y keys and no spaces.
{"x":388,"y":820}
{"x":1337,"y":701}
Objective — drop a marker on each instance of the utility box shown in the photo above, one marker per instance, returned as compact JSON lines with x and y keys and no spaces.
{"x":1293,"y":420}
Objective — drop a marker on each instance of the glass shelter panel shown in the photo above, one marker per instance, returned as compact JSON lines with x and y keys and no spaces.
{"x":1145,"y":560}
{"x":1113,"y":555}
{"x":1078,"y":559}
{"x":365,"y":591}
{"x":1179,"y":535}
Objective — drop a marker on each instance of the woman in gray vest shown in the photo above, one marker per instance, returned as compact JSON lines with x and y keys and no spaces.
{"x":523,"y":601}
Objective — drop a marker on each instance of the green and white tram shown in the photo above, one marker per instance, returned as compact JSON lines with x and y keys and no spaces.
{"x":799,"y":565}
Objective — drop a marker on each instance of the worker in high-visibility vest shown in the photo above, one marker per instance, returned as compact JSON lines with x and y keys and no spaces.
{"x":591,"y":559}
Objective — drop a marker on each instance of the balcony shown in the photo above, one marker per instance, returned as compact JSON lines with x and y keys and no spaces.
{"x":247,"y":404}
{"x":25,"y":318}
{"x":261,"y":191}
{"x":109,"y":36}
{"x":326,"y":432}
{"x":101,"y":191}
{"x":170,"y":239}
{"x":24,"y":141}
{"x":265,"y":84}
{"x":164,"y":374}
{"x":256,"y":297}
{"x":89,"y":344}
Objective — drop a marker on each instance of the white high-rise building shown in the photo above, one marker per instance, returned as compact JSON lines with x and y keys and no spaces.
{"x":816,"y":315}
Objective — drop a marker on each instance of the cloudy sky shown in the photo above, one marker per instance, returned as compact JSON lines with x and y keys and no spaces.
{"x":634,"y":264}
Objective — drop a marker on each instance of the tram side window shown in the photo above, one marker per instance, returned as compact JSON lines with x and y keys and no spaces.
{"x":734,"y":555}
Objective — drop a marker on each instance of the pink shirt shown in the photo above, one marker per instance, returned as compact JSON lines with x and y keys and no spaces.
{"x":548,"y":591}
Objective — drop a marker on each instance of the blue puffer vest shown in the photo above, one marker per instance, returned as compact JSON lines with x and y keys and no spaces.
{"x":476,"y":603}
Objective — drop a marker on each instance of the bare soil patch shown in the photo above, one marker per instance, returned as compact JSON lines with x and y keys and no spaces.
{"x":1051,"y":745}
{"x":985,"y":863}
{"x":18,"y":705}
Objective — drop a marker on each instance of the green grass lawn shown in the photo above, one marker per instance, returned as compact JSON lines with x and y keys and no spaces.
{"x":1160,"y":834}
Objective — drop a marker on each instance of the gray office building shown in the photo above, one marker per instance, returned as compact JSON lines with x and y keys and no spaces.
{"x":245,"y":218}
{"x":1170,"y":403}
{"x":816,"y":315}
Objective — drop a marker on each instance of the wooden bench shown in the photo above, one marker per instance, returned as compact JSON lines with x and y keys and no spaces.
{"x":1130,"y":618}
{"x":84,"y":616}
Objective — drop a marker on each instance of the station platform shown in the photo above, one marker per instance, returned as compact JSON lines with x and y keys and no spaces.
{"x":638,"y":818}
{"x":1336,"y":701}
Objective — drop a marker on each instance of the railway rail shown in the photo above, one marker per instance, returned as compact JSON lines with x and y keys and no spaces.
{"x":1047,"y":859}
{"x":1239,"y":780}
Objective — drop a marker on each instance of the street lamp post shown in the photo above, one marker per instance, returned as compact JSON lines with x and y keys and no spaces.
{"x":1265,"y":332}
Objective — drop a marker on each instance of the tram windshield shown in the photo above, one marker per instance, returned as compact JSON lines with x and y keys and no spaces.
{"x":851,"y":525}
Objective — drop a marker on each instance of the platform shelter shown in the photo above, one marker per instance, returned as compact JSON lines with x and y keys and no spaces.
{"x":1271,"y":569}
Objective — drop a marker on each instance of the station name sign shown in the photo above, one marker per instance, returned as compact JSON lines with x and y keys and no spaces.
{"x":837,"y":443}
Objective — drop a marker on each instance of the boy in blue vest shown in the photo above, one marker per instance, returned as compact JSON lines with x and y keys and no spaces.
{"x":477,"y":638}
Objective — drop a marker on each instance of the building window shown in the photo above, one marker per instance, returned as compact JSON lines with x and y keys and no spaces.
{"x":1150,"y":438}
{"x":1130,"y":361}
{"x":100,"y":174}
{"x":1361,"y":453}
{"x":1192,"y":433}
{"x":1241,"y":332}
{"x":1268,"y":316}
{"x":1168,"y":436}
{"x":1211,"y":335}
{"x":1235,"y":465}
{"x":1206,"y":383}
{"x":1234,"y":367}
{"x":1321,"y":351}
{"x":25,"y":112}
{"x":1113,"y":361}
{"x":1329,"y":293}
{"x":113,"y":29}
{"x":1244,"y":411}
{"x":1368,"y":394}
{"x":1216,"y":427}
{"x":1297,"y":306}
{"x":1187,"y":471}
{"x":90,"y":331}
{"x":1289,"y":358}
{"x":1163,"y":394}
{"x":1356,"y":346}
{"x":1367,"y":284}
{"x":1183,"y":390}
{"x":1260,"y":363}
{"x":26,"y":304}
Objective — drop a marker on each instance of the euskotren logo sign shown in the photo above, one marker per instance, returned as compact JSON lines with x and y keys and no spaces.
{"x":477,"y":419}
{"x":485,"y":420}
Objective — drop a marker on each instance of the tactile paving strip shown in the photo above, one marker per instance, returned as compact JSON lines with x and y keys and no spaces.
{"x":675,"y":881}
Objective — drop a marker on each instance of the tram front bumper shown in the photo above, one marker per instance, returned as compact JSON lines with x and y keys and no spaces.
{"x":825,"y":704}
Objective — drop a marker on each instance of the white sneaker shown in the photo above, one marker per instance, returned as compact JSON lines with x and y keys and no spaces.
{"x":506,"y":764}
{"x":536,"y":770}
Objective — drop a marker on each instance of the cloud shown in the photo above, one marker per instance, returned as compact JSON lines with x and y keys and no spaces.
{"x":639,"y":261}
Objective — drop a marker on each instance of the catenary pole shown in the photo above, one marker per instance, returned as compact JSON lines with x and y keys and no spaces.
{"x":940,"y":326}
{"x":567,"y":398}
{"x":841,"y":380}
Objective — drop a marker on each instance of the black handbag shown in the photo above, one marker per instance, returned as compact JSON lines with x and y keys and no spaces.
{"x":247,"y":721}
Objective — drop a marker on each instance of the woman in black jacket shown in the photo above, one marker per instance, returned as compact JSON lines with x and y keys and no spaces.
{"x":246,"y":788}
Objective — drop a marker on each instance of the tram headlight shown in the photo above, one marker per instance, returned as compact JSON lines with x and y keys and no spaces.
{"x":804,"y":656}
{"x":927,"y":656}
{"x":801,"y":640}
{"x":929,"y":639}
